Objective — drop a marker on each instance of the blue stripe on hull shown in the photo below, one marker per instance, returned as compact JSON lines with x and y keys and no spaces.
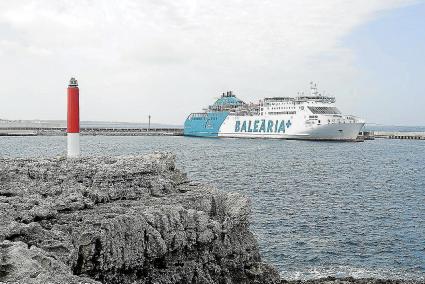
{"x":205,"y":124}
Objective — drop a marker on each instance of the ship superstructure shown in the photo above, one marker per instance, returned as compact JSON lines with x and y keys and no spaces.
{"x":306,"y":117}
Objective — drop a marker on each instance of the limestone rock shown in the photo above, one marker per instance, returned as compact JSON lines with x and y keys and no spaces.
{"x":23,"y":264}
{"x":122,"y":220}
{"x":351,"y":280}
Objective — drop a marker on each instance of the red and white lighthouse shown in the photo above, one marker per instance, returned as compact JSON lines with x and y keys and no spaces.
{"x":73,"y":130}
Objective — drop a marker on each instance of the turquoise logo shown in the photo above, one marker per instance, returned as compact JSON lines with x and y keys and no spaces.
{"x":264,"y":126}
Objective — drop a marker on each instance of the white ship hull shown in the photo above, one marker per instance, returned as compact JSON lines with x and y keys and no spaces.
{"x":295,"y":129}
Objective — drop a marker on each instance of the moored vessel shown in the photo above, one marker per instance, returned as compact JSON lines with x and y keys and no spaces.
{"x":305,"y":117}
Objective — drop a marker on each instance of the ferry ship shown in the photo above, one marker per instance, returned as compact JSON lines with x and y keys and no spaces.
{"x":305,"y":117}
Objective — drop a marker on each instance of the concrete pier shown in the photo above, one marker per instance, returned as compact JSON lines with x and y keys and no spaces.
{"x":15,"y":132}
{"x":93,"y":131}
{"x":400,"y":135}
{"x":61,"y":131}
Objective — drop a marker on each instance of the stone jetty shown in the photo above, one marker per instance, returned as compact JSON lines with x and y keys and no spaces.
{"x":121,"y":220}
{"x":90,"y":131}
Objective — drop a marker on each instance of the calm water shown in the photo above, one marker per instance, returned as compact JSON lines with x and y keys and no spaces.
{"x":319,"y":208}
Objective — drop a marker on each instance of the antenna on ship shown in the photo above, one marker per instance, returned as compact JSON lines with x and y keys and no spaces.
{"x":313,"y":89}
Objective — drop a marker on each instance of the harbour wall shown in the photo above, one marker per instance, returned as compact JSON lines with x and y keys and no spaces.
{"x":400,"y":135}
{"x":103,"y":131}
{"x":60,"y":131}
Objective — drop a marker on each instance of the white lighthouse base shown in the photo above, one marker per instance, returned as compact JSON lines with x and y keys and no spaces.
{"x":73,"y":145}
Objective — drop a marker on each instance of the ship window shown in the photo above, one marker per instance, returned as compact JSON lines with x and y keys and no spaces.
{"x":324,"y":110}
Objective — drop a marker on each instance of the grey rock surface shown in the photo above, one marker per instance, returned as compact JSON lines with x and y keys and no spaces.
{"x":351,"y":280}
{"x":121,"y":220}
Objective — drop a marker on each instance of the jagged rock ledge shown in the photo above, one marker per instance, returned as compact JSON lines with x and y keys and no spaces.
{"x":351,"y":280}
{"x":121,"y":220}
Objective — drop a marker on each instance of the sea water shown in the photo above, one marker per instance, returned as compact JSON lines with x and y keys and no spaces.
{"x":319,"y":208}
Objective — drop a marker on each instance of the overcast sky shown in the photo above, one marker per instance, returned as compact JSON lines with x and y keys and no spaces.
{"x":168,"y":58}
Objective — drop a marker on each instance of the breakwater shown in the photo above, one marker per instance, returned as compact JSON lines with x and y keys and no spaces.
{"x":103,"y":131}
{"x":400,"y":135}
{"x":90,"y":131}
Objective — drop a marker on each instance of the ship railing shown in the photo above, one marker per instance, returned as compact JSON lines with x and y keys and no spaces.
{"x":278,"y":99}
{"x":352,"y":118}
{"x":314,"y":98}
{"x":196,"y":114}
{"x":244,"y":112}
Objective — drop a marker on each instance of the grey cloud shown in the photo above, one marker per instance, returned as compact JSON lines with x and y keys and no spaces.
{"x":169,"y":57}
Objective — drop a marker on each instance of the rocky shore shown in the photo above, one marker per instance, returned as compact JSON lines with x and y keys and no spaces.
{"x":125,"y":220}
{"x":121,"y":220}
{"x":350,"y":280}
